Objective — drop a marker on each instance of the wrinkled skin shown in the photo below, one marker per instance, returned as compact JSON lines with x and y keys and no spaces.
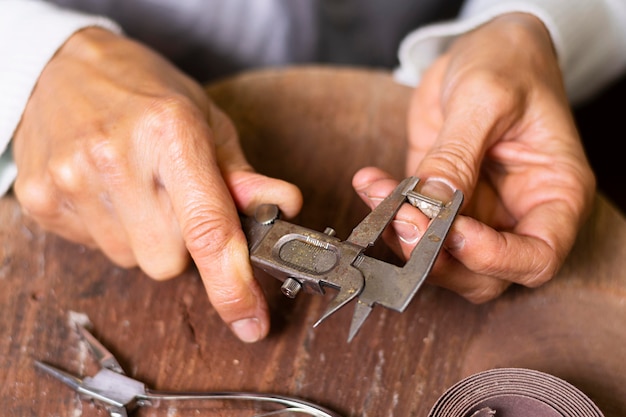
{"x":119,"y":150}
{"x":491,"y":119}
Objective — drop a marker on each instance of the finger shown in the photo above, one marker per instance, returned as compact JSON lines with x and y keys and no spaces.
{"x":210,"y":224}
{"x":39,"y":202}
{"x":525,"y":251}
{"x":105,"y":228}
{"x":409,"y":225}
{"x":128,"y":212}
{"x":425,"y":114}
{"x":74,"y":179}
{"x":529,"y":253}
{"x":135,"y":219}
{"x":248,"y":188}
{"x":487,"y":206}
{"x":477,"y":109}
{"x":529,"y":250}
{"x":509,"y":256}
{"x":373,"y":186}
{"x":477,"y":288}
{"x":39,"y":197}
{"x":153,"y":232}
{"x":367,"y":176}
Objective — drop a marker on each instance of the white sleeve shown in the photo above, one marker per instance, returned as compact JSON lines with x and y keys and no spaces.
{"x":31,"y":31}
{"x":589,"y":37}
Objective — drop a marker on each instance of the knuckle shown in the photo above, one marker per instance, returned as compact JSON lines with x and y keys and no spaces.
{"x":174,"y":105}
{"x":36,"y":197}
{"x":66,"y":175}
{"x":166,"y":268}
{"x":497,"y":92}
{"x":486,"y":292}
{"x":208,"y":235}
{"x":98,"y":154}
{"x":229,"y":300}
{"x":107,"y":157}
{"x":232,"y":301}
{"x":455,"y":157}
{"x":546,"y":264}
{"x":540,"y":278}
{"x":168,"y":116}
{"x":495,"y":84}
{"x":174,"y":121}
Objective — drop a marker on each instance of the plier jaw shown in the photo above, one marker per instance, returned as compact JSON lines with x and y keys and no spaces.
{"x":121,"y":394}
{"x":308,"y":260}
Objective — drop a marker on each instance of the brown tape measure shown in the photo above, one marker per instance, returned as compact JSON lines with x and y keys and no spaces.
{"x":514,"y":392}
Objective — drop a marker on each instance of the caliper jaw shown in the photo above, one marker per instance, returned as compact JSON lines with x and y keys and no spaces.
{"x":304,"y":259}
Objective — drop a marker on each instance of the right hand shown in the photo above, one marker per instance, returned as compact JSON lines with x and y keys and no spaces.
{"x":491,"y":118}
{"x":117,"y":149}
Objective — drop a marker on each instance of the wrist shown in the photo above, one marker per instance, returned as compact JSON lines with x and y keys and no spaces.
{"x":524,"y":29}
{"x":517,"y":39}
{"x":89,"y":44}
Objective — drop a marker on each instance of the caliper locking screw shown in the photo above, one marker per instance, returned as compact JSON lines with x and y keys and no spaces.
{"x":266,"y":214}
{"x":291,"y":287}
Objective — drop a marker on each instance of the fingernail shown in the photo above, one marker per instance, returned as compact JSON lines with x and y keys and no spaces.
{"x":407,"y":232}
{"x":437,"y":189}
{"x":247,"y":330}
{"x":374,"y":201}
{"x":455,"y":241}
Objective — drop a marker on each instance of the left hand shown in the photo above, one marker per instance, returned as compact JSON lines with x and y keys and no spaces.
{"x":117,"y":149}
{"x":492,"y":119}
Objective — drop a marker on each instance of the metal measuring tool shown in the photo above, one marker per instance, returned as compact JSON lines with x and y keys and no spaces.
{"x":311,"y":261}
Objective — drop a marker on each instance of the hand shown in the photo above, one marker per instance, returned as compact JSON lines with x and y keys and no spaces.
{"x":119,"y":150}
{"x":491,"y":118}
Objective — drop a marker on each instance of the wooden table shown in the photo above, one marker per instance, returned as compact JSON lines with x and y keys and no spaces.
{"x":314,"y":127}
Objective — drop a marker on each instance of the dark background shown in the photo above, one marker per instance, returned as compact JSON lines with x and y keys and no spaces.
{"x":600,"y":125}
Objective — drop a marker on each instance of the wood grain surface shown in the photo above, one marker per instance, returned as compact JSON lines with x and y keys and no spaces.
{"x":313,"y":126}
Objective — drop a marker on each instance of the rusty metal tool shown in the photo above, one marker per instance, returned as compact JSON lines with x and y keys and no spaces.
{"x":313,"y":261}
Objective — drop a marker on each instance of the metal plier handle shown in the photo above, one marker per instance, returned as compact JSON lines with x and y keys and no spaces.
{"x":308,"y":260}
{"x":121,"y":395}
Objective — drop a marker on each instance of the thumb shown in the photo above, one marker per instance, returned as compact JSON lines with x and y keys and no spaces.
{"x":248,"y":188}
{"x":474,"y":118}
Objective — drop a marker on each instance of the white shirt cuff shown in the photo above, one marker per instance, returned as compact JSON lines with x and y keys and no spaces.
{"x":589,"y":38}
{"x":30,"y":34}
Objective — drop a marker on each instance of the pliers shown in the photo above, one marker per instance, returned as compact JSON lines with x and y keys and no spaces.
{"x":121,"y":394}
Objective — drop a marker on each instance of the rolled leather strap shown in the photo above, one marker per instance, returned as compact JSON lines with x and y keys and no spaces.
{"x":514,"y":392}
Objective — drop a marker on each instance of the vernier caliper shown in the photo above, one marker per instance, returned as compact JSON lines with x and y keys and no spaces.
{"x":310,"y":261}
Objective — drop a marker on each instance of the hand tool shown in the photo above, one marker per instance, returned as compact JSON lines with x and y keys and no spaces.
{"x":121,"y":394}
{"x":514,"y":392}
{"x":305,"y":259}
